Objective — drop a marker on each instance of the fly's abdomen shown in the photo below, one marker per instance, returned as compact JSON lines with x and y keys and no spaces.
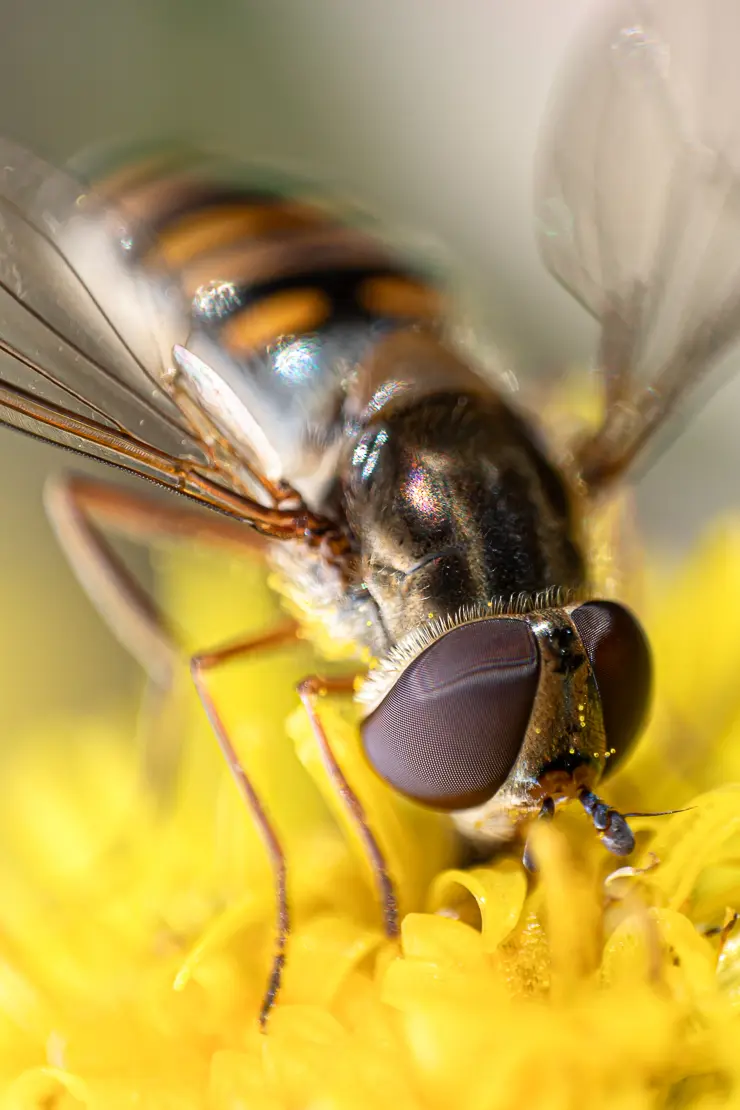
{"x":285,"y":298}
{"x":257,"y":264}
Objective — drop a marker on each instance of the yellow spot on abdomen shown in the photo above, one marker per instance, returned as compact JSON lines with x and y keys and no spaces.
{"x":209,"y":228}
{"x":289,"y":313}
{"x":399,"y":297}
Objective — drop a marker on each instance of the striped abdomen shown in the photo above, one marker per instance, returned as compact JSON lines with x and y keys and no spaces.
{"x":257,"y":265}
{"x":286,"y":298}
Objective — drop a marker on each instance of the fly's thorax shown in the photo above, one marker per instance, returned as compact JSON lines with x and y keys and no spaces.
{"x":451,"y":500}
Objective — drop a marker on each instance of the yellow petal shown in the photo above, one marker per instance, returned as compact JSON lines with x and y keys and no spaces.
{"x":499,"y":893}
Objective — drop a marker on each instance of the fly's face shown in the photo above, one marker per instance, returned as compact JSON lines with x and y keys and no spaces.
{"x":499,"y":719}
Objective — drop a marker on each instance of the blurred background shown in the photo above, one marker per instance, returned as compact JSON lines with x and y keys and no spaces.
{"x":427,"y":111}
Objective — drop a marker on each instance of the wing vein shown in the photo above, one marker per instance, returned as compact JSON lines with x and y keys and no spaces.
{"x":119,"y":382}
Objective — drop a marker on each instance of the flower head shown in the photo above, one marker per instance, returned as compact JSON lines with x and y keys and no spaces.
{"x":137,"y":910}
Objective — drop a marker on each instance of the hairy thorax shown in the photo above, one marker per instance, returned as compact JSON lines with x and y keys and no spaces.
{"x":455,"y":506}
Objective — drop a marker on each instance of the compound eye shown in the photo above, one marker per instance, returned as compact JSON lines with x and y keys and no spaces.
{"x":620,"y":659}
{"x":449,"y":731}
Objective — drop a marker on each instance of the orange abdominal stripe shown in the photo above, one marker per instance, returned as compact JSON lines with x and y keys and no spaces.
{"x":260,"y":261}
{"x":399,"y":297}
{"x":207,"y":229}
{"x":288,"y":313}
{"x":115,"y":186}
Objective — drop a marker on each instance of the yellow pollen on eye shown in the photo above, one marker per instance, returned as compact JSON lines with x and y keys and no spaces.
{"x":431,"y":616}
{"x":596,"y":755}
{"x":538,"y":731}
{"x":369,"y":624}
{"x":581,"y":708}
{"x":571,"y":751}
{"x":613,"y":751}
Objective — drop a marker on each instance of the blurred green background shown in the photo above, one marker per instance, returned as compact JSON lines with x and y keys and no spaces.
{"x":426,"y":110}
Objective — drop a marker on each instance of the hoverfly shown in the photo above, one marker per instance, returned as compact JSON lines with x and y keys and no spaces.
{"x":265,"y":359}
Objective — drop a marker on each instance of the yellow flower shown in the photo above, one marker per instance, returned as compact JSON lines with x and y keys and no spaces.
{"x":137,"y":912}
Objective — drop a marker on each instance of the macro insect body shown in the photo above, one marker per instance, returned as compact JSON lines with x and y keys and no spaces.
{"x":265,"y":359}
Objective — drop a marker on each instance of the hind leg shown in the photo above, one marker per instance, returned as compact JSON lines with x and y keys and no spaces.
{"x":200,"y":666}
{"x":83,"y":510}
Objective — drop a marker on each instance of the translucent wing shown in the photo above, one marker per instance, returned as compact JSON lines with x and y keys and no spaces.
{"x":638,"y":206}
{"x":287,"y":294}
{"x":42,"y":419}
{"x":86,"y":345}
{"x":85,"y":330}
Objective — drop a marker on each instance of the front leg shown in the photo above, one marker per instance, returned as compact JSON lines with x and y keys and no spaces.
{"x":309,"y":690}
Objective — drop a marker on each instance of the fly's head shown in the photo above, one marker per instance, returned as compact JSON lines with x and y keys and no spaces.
{"x":497,"y":719}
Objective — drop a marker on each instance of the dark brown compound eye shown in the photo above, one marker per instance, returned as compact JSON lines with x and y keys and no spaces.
{"x":448,"y":732}
{"x":620,"y":659}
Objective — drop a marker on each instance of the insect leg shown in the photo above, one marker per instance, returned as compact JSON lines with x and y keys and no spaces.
{"x":81,"y":508}
{"x":138,"y":515}
{"x":308,"y":691}
{"x":200,"y":665}
{"x":131,"y":614}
